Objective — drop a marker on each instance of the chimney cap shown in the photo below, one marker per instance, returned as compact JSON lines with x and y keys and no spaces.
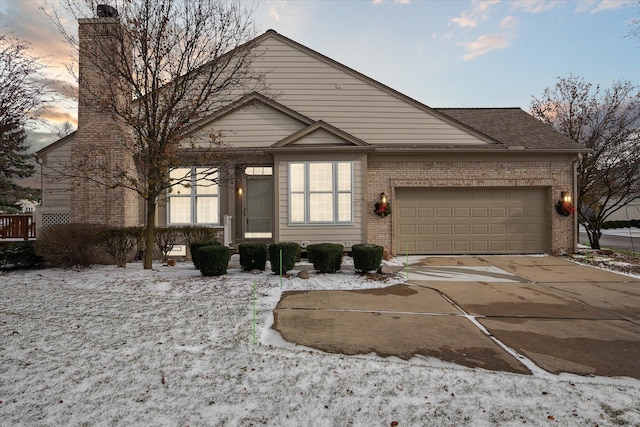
{"x":106,"y":11}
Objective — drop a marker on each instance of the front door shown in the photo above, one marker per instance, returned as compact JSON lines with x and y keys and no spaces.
{"x":258,"y":203}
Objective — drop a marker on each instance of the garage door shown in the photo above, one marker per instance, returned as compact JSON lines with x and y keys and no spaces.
{"x":471,"y":220}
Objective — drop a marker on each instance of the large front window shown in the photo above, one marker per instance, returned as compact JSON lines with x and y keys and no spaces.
{"x":193,"y":199}
{"x":320,"y":192}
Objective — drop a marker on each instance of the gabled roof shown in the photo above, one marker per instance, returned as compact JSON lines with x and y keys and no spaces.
{"x":292,"y":142}
{"x":43,"y":151}
{"x":247,"y":100}
{"x":512,"y":127}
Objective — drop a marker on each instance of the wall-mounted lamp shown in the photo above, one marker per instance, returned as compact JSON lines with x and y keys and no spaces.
{"x":564,"y":205}
{"x":383,"y":207}
{"x":239,"y":191}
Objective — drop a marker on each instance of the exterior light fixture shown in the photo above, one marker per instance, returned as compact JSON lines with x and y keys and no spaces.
{"x":564,"y":205}
{"x":239,"y":191}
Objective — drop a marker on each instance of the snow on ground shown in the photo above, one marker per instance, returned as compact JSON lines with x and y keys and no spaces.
{"x":167,"y":347}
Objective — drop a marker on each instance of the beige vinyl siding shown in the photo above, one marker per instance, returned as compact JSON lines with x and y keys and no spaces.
{"x":321,"y":91}
{"x":56,"y":195}
{"x":320,"y":137}
{"x":253,"y":125}
{"x":346,"y":235}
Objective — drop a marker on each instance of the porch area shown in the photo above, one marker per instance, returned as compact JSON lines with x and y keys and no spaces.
{"x":18,"y":227}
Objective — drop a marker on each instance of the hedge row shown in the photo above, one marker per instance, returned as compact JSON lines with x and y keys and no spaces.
{"x":621,"y":224}
{"x":83,"y":245}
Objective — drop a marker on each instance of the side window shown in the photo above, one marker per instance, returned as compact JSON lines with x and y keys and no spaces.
{"x":194,"y":198}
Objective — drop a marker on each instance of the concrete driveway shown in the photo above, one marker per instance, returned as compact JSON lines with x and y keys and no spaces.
{"x":507,"y":313}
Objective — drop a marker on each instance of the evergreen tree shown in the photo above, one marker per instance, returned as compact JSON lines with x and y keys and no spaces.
{"x":15,"y":163}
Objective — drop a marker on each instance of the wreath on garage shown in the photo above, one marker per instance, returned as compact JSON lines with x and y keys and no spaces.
{"x":382,"y":209}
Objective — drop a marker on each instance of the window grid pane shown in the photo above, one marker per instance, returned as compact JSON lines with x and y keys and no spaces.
{"x":297,"y":208}
{"x":178,"y":174}
{"x":206,"y":181}
{"x":296,"y":177}
{"x":180,"y":210}
{"x":207,"y":210}
{"x":321,"y":207}
{"x":320,"y":177}
{"x":344,"y":176}
{"x":344,"y":207}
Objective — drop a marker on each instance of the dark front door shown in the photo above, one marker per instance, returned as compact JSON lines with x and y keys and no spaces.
{"x":258,"y":203}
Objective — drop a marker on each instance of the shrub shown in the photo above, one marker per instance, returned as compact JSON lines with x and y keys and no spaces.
{"x":253,"y":256}
{"x":327,"y":257}
{"x":366,"y":257}
{"x":194,"y":246}
{"x":309,"y":253}
{"x":192,"y":234}
{"x":621,"y":224}
{"x":119,"y":243}
{"x":290,"y":254}
{"x":164,"y":238}
{"x":69,"y":245}
{"x":20,"y":254}
{"x":213,"y":260}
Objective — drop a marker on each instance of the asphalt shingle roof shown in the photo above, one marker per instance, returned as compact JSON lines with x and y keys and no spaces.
{"x":512,"y":127}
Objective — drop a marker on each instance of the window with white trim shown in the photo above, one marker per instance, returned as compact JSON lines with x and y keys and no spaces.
{"x":320,"y":192}
{"x":194,"y":199}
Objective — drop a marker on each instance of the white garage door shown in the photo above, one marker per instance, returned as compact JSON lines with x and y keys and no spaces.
{"x":471,"y":220}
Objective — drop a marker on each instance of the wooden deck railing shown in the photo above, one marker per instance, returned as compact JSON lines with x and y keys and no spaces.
{"x":17,"y":227}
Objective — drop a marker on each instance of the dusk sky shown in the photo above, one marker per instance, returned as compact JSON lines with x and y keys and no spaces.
{"x":442,"y":53}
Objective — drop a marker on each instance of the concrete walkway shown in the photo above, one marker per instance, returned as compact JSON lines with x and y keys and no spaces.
{"x":510,"y":313}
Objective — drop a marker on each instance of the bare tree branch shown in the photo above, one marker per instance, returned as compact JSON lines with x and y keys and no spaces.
{"x":169,"y":64}
{"x":607,"y":122}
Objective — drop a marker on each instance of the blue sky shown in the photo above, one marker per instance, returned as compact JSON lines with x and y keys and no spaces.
{"x":442,"y":53}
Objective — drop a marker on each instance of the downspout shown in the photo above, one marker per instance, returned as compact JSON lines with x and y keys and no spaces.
{"x":38,"y":211}
{"x":576,"y":231}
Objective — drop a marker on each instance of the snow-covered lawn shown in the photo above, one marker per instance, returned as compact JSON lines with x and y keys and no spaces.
{"x":167,"y":347}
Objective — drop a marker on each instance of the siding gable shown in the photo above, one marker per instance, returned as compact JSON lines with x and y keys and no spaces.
{"x":253,"y":124}
{"x":323,"y":89}
{"x":320,"y":134}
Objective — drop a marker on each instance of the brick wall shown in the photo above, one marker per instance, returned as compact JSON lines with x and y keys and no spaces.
{"x":555,"y":175}
{"x":98,"y":146}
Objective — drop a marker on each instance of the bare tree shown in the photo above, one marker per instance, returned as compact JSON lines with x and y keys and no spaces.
{"x":20,"y":97}
{"x":170,"y":64}
{"x":64,"y":129}
{"x":608,"y":123}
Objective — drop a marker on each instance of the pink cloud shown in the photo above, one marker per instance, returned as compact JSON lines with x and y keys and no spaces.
{"x":485,"y":44}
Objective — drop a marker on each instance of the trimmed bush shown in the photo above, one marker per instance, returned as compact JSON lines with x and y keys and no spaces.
{"x":290,"y":254}
{"x":327,"y":257}
{"x":366,"y":257}
{"x":253,"y":256}
{"x":194,"y":246}
{"x":621,"y":224}
{"x":19,"y":255}
{"x":309,"y":253}
{"x":213,"y":260}
{"x":119,"y":243}
{"x":69,"y":245}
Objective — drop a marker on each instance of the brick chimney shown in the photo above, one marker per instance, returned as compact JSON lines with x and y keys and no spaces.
{"x":100,"y":135}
